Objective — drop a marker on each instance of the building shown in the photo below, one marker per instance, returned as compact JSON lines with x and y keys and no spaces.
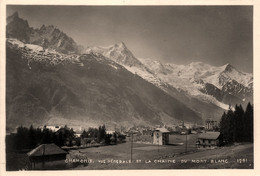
{"x":76,"y":128}
{"x":47,"y":156}
{"x":161,"y":136}
{"x":78,"y":132}
{"x":211,"y":124}
{"x":51,"y":127}
{"x":147,"y":132}
{"x":208,"y":140}
{"x":110,"y":132}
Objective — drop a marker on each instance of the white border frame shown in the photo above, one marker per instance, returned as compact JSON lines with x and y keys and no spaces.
{"x":193,"y":172}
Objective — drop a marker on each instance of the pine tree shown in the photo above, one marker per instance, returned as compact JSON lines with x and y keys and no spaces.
{"x":99,"y":134}
{"x":230,"y":126}
{"x":249,"y":123}
{"x":108,"y":139}
{"x":84,"y":134}
{"x":60,"y":139}
{"x":238,"y":128}
{"x":32,"y":137}
{"x":38,"y":136}
{"x":46,"y":137}
{"x":223,"y":125}
{"x":115,"y":137}
{"x":103,"y":132}
{"x":21,"y":138}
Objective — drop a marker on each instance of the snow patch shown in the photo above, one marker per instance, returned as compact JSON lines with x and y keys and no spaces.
{"x":113,"y":66}
{"x":35,"y":48}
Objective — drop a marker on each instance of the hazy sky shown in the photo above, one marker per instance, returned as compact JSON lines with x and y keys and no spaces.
{"x":178,"y":34}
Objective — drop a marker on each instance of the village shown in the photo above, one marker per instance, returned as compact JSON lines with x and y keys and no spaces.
{"x":158,"y":135}
{"x":184,"y":145}
{"x":224,"y":144}
{"x":80,"y":150}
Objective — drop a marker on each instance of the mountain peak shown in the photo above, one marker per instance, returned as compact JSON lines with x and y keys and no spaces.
{"x":15,"y":14}
{"x":120,"y":45}
{"x":228,"y":67}
{"x":48,"y":36}
{"x":17,"y":28}
{"x":49,"y":28}
{"x":43,"y":27}
{"x":14,"y":17}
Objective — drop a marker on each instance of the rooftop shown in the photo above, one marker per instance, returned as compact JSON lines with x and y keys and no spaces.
{"x":163,"y":130}
{"x":209,"y":135}
{"x":46,"y":149}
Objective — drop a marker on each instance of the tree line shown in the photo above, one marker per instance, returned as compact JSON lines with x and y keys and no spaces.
{"x":99,"y":135}
{"x":237,"y":125}
{"x":29,"y":138}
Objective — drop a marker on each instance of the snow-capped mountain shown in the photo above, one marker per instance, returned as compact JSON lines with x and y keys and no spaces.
{"x":47,"y":77}
{"x":118,"y":53}
{"x":49,"y":37}
{"x":88,"y":89}
{"x":198,"y":71}
{"x":32,"y":53}
{"x":123,"y":56}
{"x":221,"y":86}
{"x":224,"y":83}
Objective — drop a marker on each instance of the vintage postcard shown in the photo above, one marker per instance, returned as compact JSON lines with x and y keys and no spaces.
{"x":131,"y":87}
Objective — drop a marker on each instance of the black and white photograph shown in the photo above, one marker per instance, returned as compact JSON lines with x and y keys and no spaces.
{"x":98,"y":87}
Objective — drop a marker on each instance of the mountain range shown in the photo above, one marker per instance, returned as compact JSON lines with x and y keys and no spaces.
{"x":46,"y":36}
{"x":51,"y":79}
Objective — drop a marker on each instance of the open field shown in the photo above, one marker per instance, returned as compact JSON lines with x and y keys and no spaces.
{"x":168,"y":157}
{"x":171,"y":156}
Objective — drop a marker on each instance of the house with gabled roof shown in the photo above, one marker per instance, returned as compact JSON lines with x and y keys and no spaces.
{"x":161,"y":136}
{"x":47,"y":156}
{"x":208,"y":140}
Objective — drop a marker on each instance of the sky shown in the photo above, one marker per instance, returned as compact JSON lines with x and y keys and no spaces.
{"x":215,"y":35}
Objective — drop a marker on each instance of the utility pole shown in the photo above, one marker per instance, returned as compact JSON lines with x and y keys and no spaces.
{"x":131,"y":146}
{"x":186,"y":146}
{"x":186,"y":141}
{"x":158,"y":141}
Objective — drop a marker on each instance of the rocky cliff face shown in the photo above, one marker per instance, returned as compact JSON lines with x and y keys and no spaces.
{"x":49,"y":37}
{"x":18,"y":28}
